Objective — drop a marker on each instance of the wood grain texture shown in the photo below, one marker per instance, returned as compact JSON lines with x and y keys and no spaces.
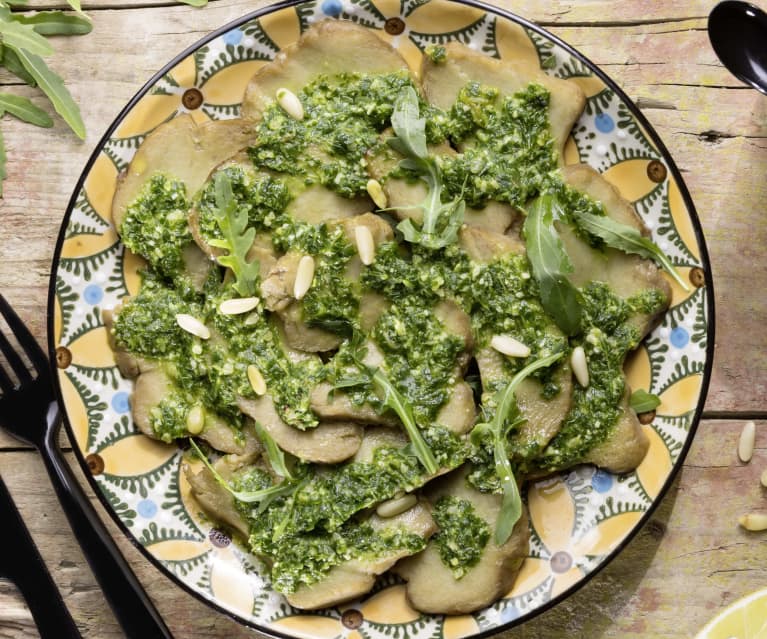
{"x":691,"y":559}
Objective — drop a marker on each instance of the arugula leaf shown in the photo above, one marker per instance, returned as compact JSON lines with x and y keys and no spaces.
{"x":643,"y":402}
{"x":20,"y":36}
{"x":393,"y":399}
{"x":627,"y":239}
{"x":275,"y":454}
{"x":54,"y":88}
{"x":232,"y":220}
{"x":77,"y":6}
{"x":264,"y":496}
{"x":13,"y":64}
{"x":409,"y":126}
{"x":49,"y":23}
{"x":550,"y":264}
{"x":506,"y":417}
{"x":25,"y":110}
{"x":441,"y":220}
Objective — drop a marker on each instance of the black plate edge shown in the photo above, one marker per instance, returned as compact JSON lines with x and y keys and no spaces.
{"x":649,"y":130}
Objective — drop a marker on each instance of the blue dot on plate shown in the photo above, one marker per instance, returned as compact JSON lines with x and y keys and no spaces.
{"x":601,"y":481}
{"x":233,"y":37}
{"x":604,"y":123}
{"x":332,"y":8}
{"x":147,"y":508}
{"x":93,"y":294}
{"x":121,"y":402}
{"x":679,"y":337}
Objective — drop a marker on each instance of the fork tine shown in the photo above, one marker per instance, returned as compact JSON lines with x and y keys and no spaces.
{"x":24,"y":337}
{"x":17,"y":364}
{"x":6,"y":384}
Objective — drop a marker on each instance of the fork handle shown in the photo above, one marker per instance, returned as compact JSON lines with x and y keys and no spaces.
{"x":130,"y":603}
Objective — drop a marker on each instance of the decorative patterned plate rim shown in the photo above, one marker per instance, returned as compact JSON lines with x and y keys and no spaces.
{"x":648,"y":130}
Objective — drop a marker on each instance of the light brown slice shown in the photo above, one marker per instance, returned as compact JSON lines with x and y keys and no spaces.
{"x":328,"y":443}
{"x":543,"y":417}
{"x":626,"y":274}
{"x":626,"y":445}
{"x":442,"y":82}
{"x":431,"y":586}
{"x":356,"y":577}
{"x":217,"y":502}
{"x":183,"y":150}
{"x":329,"y":47}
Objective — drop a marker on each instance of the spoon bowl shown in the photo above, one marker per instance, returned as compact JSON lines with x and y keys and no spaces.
{"x":738,"y":33}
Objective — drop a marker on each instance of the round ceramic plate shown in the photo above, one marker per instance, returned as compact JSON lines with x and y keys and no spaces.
{"x":579,"y":520}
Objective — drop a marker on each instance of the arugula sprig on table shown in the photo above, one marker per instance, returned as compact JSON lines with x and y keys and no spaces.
{"x":505,"y":418}
{"x":237,"y":237}
{"x":441,"y":220}
{"x":23,"y":46}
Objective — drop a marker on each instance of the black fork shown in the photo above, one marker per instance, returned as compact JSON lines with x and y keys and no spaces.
{"x":29,"y":411}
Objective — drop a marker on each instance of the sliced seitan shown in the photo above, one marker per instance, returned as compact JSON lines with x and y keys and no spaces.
{"x":442,"y":82}
{"x":431,"y":586}
{"x":626,"y":274}
{"x":182,"y":149}
{"x":357,"y":576}
{"x":327,"y":443}
{"x":328,"y":48}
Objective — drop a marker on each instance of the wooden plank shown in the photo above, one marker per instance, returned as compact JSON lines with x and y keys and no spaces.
{"x":693,"y":538}
{"x":551,"y":11}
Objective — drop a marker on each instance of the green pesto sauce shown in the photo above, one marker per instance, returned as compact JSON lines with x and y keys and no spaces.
{"x":420,"y":356}
{"x":462,"y":534}
{"x":343,"y":117}
{"x":155,"y":225}
{"x":311,"y":530}
{"x":329,"y":497}
{"x":303,"y":560}
{"x":262,"y":196}
{"x":508,"y":152}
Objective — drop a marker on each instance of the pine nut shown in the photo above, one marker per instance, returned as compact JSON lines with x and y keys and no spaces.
{"x":393,"y":507}
{"x":509,"y":346}
{"x":365,"y":245}
{"x":238,"y":305}
{"x":580,"y":366}
{"x":195,"y":419}
{"x":376,"y":193}
{"x":304,"y":276}
{"x":746,"y":443}
{"x":763,"y":478}
{"x":290,"y":103}
{"x":256,"y":379}
{"x":192,"y":325}
{"x":753,"y":521}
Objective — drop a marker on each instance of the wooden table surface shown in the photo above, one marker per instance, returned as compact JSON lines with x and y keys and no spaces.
{"x":691,"y":559}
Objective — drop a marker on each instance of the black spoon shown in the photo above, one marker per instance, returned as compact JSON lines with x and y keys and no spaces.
{"x":738,"y":33}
